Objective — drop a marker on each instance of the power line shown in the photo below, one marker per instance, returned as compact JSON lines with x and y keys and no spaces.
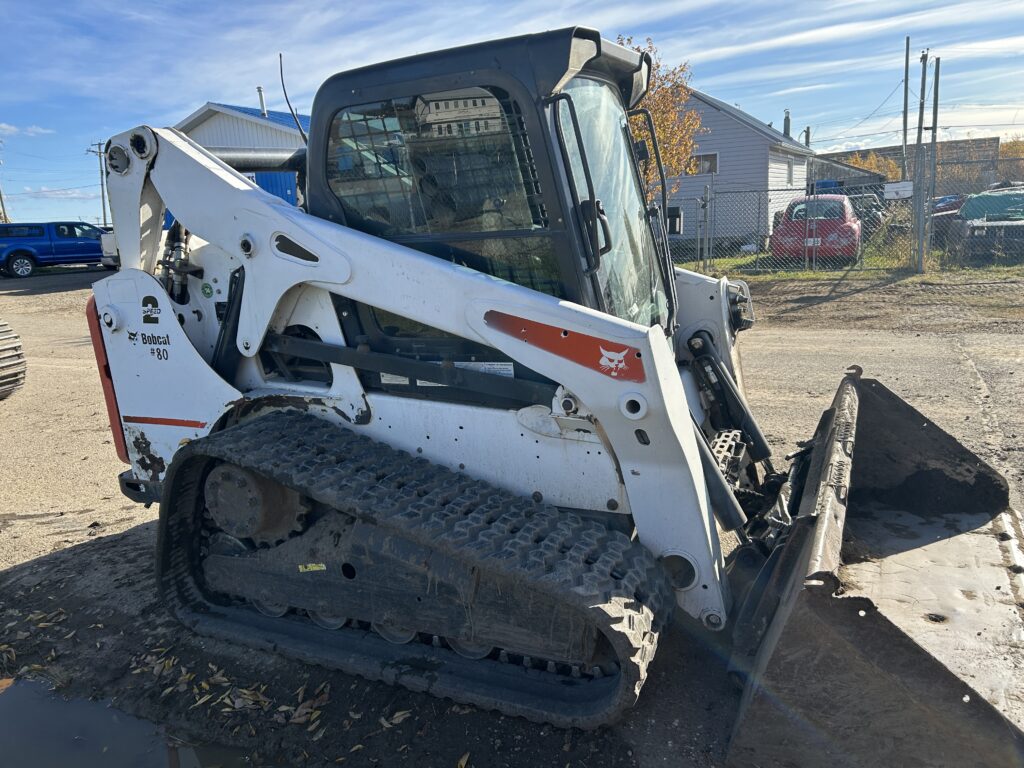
{"x":847,"y":119}
{"x":854,"y":136}
{"x":884,"y":102}
{"x":941,"y":127}
{"x":47,"y":191}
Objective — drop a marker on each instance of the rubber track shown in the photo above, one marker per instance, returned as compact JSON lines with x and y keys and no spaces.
{"x":614,"y":582}
{"x":12,"y":361}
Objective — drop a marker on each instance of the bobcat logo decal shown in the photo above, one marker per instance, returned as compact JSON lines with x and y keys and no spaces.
{"x":613,"y":363}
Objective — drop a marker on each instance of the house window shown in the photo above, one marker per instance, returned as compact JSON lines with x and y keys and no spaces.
{"x":437,"y":106}
{"x":447,"y":104}
{"x":477,"y":126}
{"x":789,"y":172}
{"x":706,"y":163}
{"x":474,"y":102}
{"x":440,"y":130}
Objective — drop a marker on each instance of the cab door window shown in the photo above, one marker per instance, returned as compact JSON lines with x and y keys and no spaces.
{"x":451,"y":174}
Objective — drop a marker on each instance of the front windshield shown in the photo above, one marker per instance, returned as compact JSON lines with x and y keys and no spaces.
{"x":629,"y":277}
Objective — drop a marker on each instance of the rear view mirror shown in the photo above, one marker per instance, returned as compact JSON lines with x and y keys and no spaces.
{"x":674,"y":220}
{"x":777,"y":218}
{"x":643,"y":154}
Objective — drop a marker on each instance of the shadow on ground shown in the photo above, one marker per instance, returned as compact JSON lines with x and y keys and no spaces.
{"x":52,"y":280}
{"x":87,"y":620}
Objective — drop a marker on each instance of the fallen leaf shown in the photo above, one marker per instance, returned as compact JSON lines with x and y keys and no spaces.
{"x":6,"y":683}
{"x":400,"y":716}
{"x":202,"y":701}
{"x":463,"y":761}
{"x":355,"y":715}
{"x":356,"y":748}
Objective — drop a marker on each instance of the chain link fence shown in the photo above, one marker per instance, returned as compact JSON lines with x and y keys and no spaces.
{"x":961,"y":214}
{"x":974,"y":215}
{"x":795,"y":229}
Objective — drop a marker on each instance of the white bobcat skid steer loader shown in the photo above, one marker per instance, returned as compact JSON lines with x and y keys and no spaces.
{"x":456,"y":423}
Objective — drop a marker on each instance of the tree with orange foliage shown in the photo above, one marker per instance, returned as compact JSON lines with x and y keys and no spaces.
{"x":876,"y":163}
{"x":675,"y":125}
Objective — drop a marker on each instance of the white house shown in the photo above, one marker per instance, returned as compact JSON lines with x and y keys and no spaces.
{"x":751,"y":170}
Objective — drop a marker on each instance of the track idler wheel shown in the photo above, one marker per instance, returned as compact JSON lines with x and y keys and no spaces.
{"x":469,"y":650}
{"x":273,"y":610}
{"x":327,"y":620}
{"x":393,"y":634}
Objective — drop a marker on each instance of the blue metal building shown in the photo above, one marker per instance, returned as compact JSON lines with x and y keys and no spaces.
{"x":229,"y":125}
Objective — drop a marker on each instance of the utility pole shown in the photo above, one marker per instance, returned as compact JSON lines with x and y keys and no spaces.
{"x":906,"y":104}
{"x":919,"y":177}
{"x":924,"y":82}
{"x":98,"y":151}
{"x":935,"y":140}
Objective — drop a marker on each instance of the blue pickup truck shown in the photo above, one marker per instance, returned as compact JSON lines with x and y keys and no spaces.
{"x":25,"y":247}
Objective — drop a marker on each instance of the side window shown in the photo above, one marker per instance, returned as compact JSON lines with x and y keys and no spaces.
{"x":86,"y":231}
{"x":21,"y":231}
{"x":460,"y":184}
{"x":395,"y":169}
{"x":706,"y":163}
{"x":65,"y":230}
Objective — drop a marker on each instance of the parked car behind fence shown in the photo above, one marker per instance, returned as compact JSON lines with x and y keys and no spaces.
{"x":989,"y":225}
{"x":818,"y":228}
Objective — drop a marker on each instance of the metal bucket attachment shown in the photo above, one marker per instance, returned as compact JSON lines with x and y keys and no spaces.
{"x":886,"y":625}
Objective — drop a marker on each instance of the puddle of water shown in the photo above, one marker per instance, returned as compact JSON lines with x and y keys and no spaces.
{"x":40,"y":729}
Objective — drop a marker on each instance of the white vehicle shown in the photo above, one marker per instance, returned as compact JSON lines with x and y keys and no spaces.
{"x":110,"y":258}
{"x":457,"y":423}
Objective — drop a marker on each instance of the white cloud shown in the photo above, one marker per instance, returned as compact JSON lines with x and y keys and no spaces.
{"x":932,"y":18}
{"x":46,"y":193}
{"x":804,"y":89}
{"x":6,"y":129}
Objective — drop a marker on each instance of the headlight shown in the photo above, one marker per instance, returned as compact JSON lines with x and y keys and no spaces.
{"x":979,"y":231}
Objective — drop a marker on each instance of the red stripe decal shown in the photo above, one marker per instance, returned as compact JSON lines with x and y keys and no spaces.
{"x":611,"y":358}
{"x":163,"y":422}
{"x":100,"y":350}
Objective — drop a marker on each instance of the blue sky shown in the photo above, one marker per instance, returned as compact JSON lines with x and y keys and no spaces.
{"x":78,"y":72}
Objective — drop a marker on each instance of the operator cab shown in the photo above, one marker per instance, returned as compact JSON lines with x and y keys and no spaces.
{"x":513,"y":158}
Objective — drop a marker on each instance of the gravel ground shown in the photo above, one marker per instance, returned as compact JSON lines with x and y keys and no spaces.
{"x":77,"y":552}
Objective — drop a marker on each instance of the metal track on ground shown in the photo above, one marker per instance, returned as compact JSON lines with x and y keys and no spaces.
{"x":614,"y":583}
{"x":12,"y":361}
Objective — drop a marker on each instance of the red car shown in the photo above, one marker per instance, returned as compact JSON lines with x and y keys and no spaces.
{"x":819,"y":227}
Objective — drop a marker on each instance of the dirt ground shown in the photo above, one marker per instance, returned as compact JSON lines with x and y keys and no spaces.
{"x":77,"y":593}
